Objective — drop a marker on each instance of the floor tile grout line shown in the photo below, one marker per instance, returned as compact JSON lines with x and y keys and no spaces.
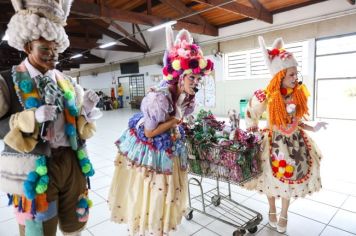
{"x":108,"y":219}
{"x":204,"y":227}
{"x":309,"y":218}
{"x":339,"y":208}
{"x":336,"y":227}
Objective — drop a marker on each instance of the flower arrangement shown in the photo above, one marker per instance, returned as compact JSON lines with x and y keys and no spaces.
{"x":215,"y":155}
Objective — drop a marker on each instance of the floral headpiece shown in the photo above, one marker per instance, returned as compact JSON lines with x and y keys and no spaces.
{"x":183,"y":57}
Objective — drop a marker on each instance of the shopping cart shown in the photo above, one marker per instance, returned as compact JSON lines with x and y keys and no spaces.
{"x":230,"y":166}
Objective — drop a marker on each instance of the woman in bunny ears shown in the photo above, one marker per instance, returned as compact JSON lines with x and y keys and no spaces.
{"x":149,"y":186}
{"x":290,"y":160}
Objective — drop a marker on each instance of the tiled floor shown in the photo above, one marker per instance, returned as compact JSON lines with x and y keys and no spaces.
{"x":331,"y":212}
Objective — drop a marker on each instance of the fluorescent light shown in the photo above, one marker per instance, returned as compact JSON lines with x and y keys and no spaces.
{"x":76,"y":56}
{"x":106,"y":45}
{"x":5,"y":37}
{"x":157,"y":27}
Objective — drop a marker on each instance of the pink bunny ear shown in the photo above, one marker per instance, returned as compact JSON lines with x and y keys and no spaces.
{"x":183,"y":35}
{"x":169,"y":38}
{"x":278,"y":43}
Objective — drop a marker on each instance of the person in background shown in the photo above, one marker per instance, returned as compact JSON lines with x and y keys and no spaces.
{"x":290,"y":160}
{"x":120,"y":93}
{"x":149,"y":187}
{"x":115,"y":103}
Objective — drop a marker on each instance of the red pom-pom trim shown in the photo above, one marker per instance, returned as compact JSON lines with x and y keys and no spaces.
{"x":282,"y":163}
{"x":274,"y":52}
{"x":184,"y":63}
{"x":284,"y":91}
{"x":208,"y":65}
{"x":165,"y":71}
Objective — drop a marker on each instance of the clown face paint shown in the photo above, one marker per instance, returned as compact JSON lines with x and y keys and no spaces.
{"x":192,"y":84}
{"x":42,"y":54}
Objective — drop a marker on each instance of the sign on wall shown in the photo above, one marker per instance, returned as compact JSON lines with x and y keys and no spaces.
{"x":206,"y":97}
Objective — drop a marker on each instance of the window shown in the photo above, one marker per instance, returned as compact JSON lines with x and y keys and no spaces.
{"x":251,"y":65}
{"x":336,"y":77}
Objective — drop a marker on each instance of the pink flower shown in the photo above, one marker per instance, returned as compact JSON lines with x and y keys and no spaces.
{"x":209,"y":64}
{"x":175,"y":74}
{"x":181,"y":52}
{"x":165,"y":71}
{"x":280,"y":156}
{"x":196,"y":70}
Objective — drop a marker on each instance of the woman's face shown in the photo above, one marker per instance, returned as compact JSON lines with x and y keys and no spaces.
{"x":191,"y":84}
{"x":291,"y":78}
{"x":42,"y":54}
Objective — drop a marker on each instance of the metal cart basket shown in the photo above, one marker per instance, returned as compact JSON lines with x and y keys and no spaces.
{"x":230,"y":166}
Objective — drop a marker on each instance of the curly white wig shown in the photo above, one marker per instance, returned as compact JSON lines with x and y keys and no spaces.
{"x":25,"y":27}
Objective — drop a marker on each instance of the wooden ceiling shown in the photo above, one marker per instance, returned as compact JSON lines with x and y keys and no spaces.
{"x":90,"y":20}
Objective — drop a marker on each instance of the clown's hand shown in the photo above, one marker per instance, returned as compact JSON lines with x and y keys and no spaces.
{"x":90,"y":100}
{"x":320,"y":125}
{"x":45,"y":113}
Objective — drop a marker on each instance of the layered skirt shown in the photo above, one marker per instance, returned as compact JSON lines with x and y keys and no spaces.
{"x":149,"y":187}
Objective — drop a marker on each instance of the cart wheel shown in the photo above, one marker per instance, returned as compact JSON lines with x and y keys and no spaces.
{"x":189,"y":216}
{"x":239,"y":232}
{"x":253,"y":230}
{"x":215,"y":200}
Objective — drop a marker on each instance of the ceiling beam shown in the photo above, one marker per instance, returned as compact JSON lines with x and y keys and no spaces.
{"x":149,"y":7}
{"x":240,"y":9}
{"x":180,"y":7}
{"x":142,"y":36}
{"x":82,"y":8}
{"x":261,"y":9}
{"x":126,"y":33}
{"x":82,"y":43}
{"x":96,"y":26}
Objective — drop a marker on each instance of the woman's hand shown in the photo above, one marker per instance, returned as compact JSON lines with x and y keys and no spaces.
{"x":320,"y":125}
{"x":171,"y":122}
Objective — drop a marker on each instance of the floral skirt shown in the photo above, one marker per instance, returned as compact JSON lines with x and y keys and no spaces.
{"x":150,"y":203}
{"x":290,"y":165}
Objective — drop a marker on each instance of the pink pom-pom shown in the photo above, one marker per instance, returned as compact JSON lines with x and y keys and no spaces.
{"x":196,"y":70}
{"x":81,"y":211}
{"x":84,"y":218}
{"x":175,"y":74}
{"x":165,"y":71}
{"x":209,"y":64}
{"x":184,"y":63}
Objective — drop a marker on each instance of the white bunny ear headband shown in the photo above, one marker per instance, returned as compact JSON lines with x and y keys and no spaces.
{"x":183,"y":35}
{"x":278,"y":58}
{"x":54,"y":10}
{"x":36,"y":19}
{"x":183,"y":57}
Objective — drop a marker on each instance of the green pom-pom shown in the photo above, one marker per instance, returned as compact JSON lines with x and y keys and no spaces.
{"x":68,"y":95}
{"x":86,"y":168}
{"x":90,"y":203}
{"x":41,"y":188}
{"x":41,"y":170}
{"x":81,"y":154}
